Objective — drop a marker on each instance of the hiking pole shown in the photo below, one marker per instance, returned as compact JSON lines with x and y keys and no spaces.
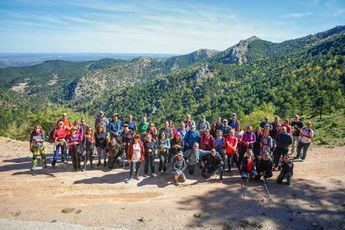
{"x":266,"y":188}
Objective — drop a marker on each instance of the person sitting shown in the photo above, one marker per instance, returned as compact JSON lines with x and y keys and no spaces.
{"x":264,"y":167}
{"x":211,"y":163}
{"x":247,"y":166}
{"x":286,"y":167}
{"x":193,"y":157}
{"x":178,"y":166}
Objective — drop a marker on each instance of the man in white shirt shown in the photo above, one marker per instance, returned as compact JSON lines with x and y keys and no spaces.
{"x":306,"y":135}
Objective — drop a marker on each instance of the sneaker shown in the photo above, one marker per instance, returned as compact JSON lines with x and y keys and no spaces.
{"x":146,"y":175}
{"x":177,"y":184}
{"x":127,"y":180}
{"x":99,"y":163}
{"x":136,"y":178}
{"x":154,"y":175}
{"x":33,"y":168}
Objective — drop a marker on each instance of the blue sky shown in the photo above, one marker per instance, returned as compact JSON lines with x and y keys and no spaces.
{"x":152,"y":26}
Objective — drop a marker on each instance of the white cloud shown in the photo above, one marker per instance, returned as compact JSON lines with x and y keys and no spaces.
{"x":297,"y":15}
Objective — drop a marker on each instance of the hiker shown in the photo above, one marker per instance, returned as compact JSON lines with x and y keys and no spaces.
{"x":135,"y":155}
{"x":163,"y":149}
{"x":67,"y":125}
{"x":150,"y":154}
{"x":203,"y":124}
{"x":212,"y":162}
{"x":234,"y":122}
{"x":297,"y":125}
{"x":218,"y":124}
{"x":287,"y":125}
{"x":188,"y":121}
{"x":275,"y":128}
{"x":115,"y":127}
{"x":247,"y":166}
{"x":226,"y":128}
{"x":264,"y":166}
{"x":286,"y":170}
{"x":193,"y":157}
{"x":167,"y":130}
{"x":37,"y":139}
{"x":283,"y":141}
{"x":213,"y":130}
{"x":59,"y":136}
{"x":182,"y":130}
{"x":231,"y":149}
{"x":266,"y":123}
{"x":306,"y":135}
{"x":131,"y":123}
{"x":192,"y":136}
{"x":172,"y":128}
{"x":72,"y":141}
{"x":82,"y":126}
{"x":89,"y":141}
{"x":113,"y":150}
{"x":176,"y":144}
{"x":241,"y":146}
{"x":101,"y":119}
{"x":101,"y":142}
{"x":142,"y":127}
{"x":266,"y":142}
{"x":219,"y":144}
{"x":249,"y":138}
{"x":178,"y":166}
{"x":126,"y":137}
{"x":256,"y":146}
{"x":153,"y":132}
{"x":207,"y":141}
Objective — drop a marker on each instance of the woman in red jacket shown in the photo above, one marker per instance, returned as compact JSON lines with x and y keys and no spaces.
{"x":135,"y":155}
{"x":231,"y":148}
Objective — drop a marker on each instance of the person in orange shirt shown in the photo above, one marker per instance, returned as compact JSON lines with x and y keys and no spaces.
{"x":67,"y":125}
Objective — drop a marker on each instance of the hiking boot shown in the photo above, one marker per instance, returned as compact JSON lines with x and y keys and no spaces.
{"x":99,"y":163}
{"x":53,"y":163}
{"x":105,"y":164}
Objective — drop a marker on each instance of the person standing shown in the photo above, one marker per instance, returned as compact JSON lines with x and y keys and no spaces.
{"x":115,"y":127}
{"x":101,"y":119}
{"x":150,"y":153}
{"x":306,"y":135}
{"x":234,"y":122}
{"x":142,"y":127}
{"x":297,"y":125}
{"x":283,"y":140}
{"x":37,"y":139}
{"x":163,"y":148}
{"x":135,"y":155}
{"x":203,"y":124}
{"x":231,"y":149}
{"x":100,"y":139}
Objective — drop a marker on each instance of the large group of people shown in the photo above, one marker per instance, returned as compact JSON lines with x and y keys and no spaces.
{"x":212,"y":148}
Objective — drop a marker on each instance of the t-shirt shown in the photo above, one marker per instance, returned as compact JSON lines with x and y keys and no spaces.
{"x":232,"y":140}
{"x":296,"y":125}
{"x":306,"y":135}
{"x":136,"y":153}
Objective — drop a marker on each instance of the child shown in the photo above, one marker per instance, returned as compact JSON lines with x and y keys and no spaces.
{"x":247,"y":167}
{"x":36,"y":146}
{"x":178,"y":166}
{"x":286,"y":167}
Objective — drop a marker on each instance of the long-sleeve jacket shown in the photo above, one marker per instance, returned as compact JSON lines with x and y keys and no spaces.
{"x":130,"y":151}
{"x":265,"y":166}
{"x":191,"y":138}
{"x":194,"y":156}
{"x":286,"y":167}
{"x":283,"y":140}
{"x":164,"y":144}
{"x":212,"y":162}
{"x":178,"y":165}
{"x":115,"y":128}
{"x":100,"y":139}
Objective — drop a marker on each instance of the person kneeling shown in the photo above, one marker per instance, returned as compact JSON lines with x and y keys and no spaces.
{"x":264,"y":167}
{"x":247,"y":168}
{"x":178,"y":166}
{"x":286,"y":167}
{"x":211,"y":163}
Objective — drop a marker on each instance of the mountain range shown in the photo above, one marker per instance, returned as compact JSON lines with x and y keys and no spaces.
{"x":304,"y":75}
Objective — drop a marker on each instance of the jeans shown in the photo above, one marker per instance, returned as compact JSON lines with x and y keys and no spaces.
{"x":58,"y":148}
{"x":136,"y":166}
{"x":101,"y":154}
{"x":163,"y":158}
{"x":231,"y":159}
{"x":283,"y":176}
{"x":251,"y":173}
{"x":277,"y":154}
{"x":304,"y":147}
{"x":149,"y":162}
{"x":191,"y":168}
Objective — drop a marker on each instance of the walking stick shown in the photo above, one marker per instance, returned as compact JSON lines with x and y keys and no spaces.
{"x":245,"y":186}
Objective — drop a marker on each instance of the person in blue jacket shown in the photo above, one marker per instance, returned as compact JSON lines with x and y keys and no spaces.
{"x":192,"y":136}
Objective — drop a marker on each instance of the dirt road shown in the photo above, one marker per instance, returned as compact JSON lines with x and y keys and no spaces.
{"x":100,"y":199}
